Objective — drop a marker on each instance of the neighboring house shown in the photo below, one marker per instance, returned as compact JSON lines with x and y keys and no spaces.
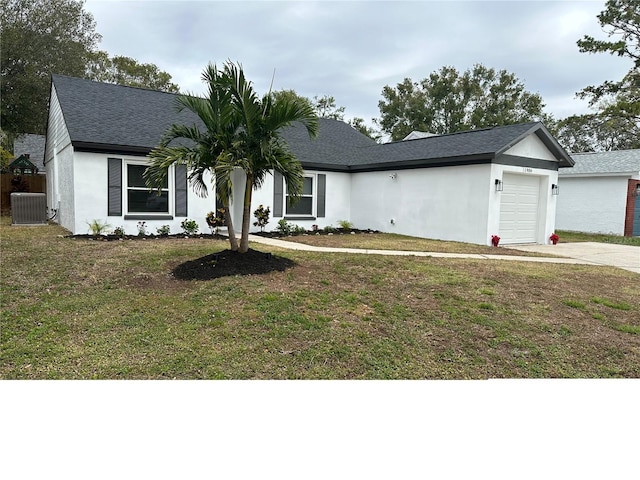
{"x":31,"y":145}
{"x":600,"y":193}
{"x":22,"y":165}
{"x":465,"y":186}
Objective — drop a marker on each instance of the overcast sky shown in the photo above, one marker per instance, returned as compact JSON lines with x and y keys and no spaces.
{"x":351,"y":50}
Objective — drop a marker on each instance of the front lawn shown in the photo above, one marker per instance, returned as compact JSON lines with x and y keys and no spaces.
{"x":76,"y":308}
{"x":566,"y":236}
{"x":393,"y":241}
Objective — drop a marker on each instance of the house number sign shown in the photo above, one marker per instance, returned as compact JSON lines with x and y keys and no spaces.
{"x":527,"y":170}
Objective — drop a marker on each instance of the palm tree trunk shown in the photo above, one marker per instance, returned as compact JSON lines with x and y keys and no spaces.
{"x":233,"y":241}
{"x":246,"y":215}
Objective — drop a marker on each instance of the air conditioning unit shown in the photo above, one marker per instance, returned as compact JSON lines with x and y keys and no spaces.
{"x":28,"y":208}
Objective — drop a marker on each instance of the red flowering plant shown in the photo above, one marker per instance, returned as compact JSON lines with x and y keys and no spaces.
{"x":554,"y":238}
{"x":495,"y":239}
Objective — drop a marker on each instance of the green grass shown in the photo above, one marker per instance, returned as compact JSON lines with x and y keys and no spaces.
{"x":567,"y":236}
{"x":80,"y":309}
{"x":393,"y":241}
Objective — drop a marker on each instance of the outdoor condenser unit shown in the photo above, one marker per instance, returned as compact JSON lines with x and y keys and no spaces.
{"x":28,"y":208}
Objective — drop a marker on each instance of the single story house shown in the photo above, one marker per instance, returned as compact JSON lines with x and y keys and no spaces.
{"x":32,"y":145}
{"x":22,"y":165}
{"x":600,"y":194}
{"x":464,"y":186}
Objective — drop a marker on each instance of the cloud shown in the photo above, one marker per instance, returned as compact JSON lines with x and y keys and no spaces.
{"x":351,"y":50}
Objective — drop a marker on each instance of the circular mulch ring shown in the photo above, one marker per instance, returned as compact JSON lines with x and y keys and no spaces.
{"x":229,"y":263}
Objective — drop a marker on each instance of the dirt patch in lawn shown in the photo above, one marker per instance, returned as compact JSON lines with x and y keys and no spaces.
{"x":229,"y":263}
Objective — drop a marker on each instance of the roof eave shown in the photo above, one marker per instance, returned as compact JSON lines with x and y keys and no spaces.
{"x":564,"y":159}
{"x":110,"y":148}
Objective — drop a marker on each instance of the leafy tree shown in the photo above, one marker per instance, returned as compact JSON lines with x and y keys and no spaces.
{"x":594,"y":133}
{"x":325,"y":107}
{"x":617,"y":103}
{"x":242,"y":131}
{"x":621,"y":20}
{"x":291,"y":96}
{"x":127,"y":71}
{"x":358,"y":124}
{"x":39,"y":37}
{"x":447,"y":102}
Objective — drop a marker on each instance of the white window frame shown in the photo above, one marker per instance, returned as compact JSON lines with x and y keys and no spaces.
{"x":125,"y":190}
{"x":314,"y":198}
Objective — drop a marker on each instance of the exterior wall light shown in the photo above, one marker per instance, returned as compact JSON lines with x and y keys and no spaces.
{"x":555,"y":189}
{"x":636,"y":191}
{"x":498,"y":183}
{"x":393,"y":176}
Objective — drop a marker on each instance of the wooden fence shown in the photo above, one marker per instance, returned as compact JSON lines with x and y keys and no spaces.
{"x":10,"y":183}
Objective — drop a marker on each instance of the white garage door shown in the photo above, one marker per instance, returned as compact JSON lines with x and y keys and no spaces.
{"x":519,"y":209}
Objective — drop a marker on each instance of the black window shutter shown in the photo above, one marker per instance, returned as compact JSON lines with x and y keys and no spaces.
{"x":181,"y":190}
{"x":114,"y":195}
{"x":322,"y":189}
{"x":278,"y":194}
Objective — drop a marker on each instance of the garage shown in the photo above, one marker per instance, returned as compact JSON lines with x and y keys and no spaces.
{"x":519,"y":207}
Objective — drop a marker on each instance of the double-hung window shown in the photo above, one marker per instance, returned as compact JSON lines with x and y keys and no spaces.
{"x":139,"y":198}
{"x":309,"y":205}
{"x":303,"y":205}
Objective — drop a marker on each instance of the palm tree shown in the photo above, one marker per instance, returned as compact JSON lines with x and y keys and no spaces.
{"x":242,"y":131}
{"x":210,"y":148}
{"x":261,"y":148}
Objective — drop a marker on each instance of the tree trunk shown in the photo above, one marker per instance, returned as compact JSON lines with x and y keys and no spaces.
{"x":246,"y":215}
{"x":233,"y":241}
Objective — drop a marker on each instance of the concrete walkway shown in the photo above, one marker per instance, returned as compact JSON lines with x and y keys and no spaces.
{"x":621,"y":256}
{"x":310,"y":248}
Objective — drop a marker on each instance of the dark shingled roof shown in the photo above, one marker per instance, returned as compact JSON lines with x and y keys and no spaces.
{"x":112,"y":118}
{"x":116,"y":117}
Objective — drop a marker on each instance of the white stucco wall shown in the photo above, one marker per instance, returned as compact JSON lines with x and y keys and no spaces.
{"x":595,"y":204}
{"x":337,"y":206}
{"x":90,"y":201}
{"x":531,"y":147}
{"x":448,"y":203}
{"x":547,"y":202}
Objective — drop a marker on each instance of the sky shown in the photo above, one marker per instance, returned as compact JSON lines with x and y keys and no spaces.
{"x":351,"y":49}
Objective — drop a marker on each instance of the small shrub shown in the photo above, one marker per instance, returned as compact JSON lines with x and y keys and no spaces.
{"x":345,"y":225}
{"x":329,"y":229}
{"x":163,"y":230}
{"x":142,"y":229}
{"x":298,"y":230}
{"x":189,"y":227}
{"x":262,"y":217}
{"x":118,"y":231}
{"x":97,"y":227}
{"x":284,"y":227}
{"x":215,"y":220}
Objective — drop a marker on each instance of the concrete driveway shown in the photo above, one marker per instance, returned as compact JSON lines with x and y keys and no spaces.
{"x":621,"y":256}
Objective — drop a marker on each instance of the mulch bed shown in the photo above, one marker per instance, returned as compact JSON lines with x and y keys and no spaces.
{"x":110,"y":238}
{"x":229,"y":263}
{"x":336,"y":231}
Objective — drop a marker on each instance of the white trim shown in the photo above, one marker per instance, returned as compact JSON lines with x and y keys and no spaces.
{"x":171,"y":190}
{"x":314,"y":198}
